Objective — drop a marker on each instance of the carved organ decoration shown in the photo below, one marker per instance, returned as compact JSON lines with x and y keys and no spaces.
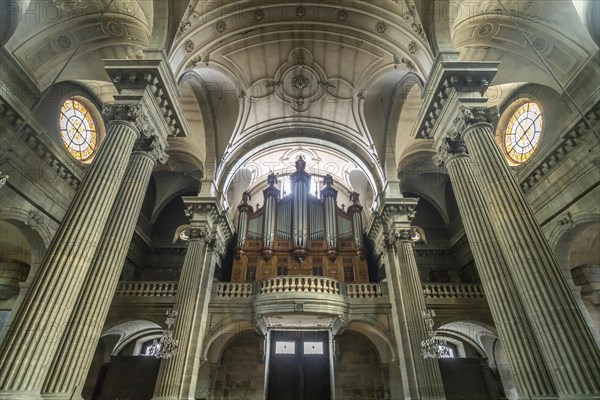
{"x":300,"y":234}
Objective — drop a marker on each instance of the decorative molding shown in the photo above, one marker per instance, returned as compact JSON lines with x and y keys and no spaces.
{"x":448,"y":79}
{"x":569,"y":142}
{"x":32,"y":139}
{"x":381,"y":27}
{"x":469,"y":116}
{"x":133,"y":113}
{"x":152,"y":147}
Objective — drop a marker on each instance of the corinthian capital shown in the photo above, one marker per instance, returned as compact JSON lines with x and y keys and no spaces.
{"x":132,"y":113}
{"x":400,"y":235}
{"x":200,"y":233}
{"x":469,"y":116}
{"x":449,"y":149}
{"x":152,"y":147}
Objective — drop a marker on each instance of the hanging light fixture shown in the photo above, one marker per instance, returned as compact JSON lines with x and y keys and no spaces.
{"x":434,"y":346}
{"x":3,"y":179}
{"x":166,"y":346}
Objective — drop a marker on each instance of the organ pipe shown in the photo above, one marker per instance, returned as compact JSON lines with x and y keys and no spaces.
{"x":271,"y":194}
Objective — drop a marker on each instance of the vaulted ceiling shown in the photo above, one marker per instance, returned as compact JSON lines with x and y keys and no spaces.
{"x":341,"y":80}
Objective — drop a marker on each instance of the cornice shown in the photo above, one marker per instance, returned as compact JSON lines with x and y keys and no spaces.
{"x":565,"y":146}
{"x":449,"y":81}
{"x":155,"y":77}
{"x":35,"y":139}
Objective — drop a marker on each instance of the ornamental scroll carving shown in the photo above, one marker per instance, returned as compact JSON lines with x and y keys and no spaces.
{"x":153,"y":148}
{"x":469,"y":116}
{"x":132,"y":113}
{"x":453,"y":144}
{"x":401,"y":235}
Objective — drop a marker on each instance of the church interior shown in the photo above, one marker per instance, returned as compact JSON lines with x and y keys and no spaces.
{"x":299,"y":200}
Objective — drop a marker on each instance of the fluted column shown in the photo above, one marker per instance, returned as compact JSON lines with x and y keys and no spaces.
{"x":34,"y":336}
{"x":524,"y":355}
{"x":567,"y":344}
{"x":426,"y":370}
{"x":194,"y":273}
{"x":76,"y":351}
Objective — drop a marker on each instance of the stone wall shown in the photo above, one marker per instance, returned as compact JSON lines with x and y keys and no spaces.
{"x":358,"y":371}
{"x":241,"y":372}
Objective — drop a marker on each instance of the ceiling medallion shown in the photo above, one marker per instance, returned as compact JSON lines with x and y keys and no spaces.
{"x":300,"y":82}
{"x":64,"y":42}
{"x":485,"y":29}
{"x":300,"y":11}
{"x":539,"y":44}
{"x":342,"y":15}
{"x":188,"y":46}
{"x":381,"y":27}
{"x":220,"y":26}
{"x":113,"y":28}
{"x":412,"y":47}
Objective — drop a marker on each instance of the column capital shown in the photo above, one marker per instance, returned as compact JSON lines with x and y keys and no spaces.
{"x":135,"y":114}
{"x":200,"y":233}
{"x":470,"y":116}
{"x":449,"y":150}
{"x":401,"y":235}
{"x":153,"y":148}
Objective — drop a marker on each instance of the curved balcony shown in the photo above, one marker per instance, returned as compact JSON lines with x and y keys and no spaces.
{"x":295,"y":288}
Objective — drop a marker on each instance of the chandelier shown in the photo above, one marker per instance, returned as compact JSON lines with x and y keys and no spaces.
{"x":3,"y":179}
{"x":434,"y":346}
{"x":166,"y":346}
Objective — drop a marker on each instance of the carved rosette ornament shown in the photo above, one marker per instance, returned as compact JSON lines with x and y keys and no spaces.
{"x":132,"y":113}
{"x":153,"y":148}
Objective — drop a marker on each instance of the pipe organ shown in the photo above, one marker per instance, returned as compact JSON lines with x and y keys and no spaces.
{"x":300,"y":234}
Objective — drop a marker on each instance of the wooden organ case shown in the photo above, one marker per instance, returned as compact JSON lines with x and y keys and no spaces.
{"x":300,"y":234}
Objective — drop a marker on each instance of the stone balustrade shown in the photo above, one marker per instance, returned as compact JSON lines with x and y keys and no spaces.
{"x":365,"y":290}
{"x":229,"y":289}
{"x":303,"y":284}
{"x":299,"y":284}
{"x":146,"y":289}
{"x":452,"y":291}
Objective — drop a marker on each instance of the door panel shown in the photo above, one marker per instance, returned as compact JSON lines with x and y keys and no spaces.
{"x":302,"y":374}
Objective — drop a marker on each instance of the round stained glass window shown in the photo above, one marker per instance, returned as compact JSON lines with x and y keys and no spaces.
{"x":78,"y":130}
{"x":523,"y":132}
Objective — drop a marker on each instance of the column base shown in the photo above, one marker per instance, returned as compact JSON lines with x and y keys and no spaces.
{"x":19,"y":395}
{"x":61,"y":396}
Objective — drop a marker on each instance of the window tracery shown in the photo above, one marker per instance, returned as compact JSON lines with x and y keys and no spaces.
{"x":78,"y":130}
{"x":522,"y":135}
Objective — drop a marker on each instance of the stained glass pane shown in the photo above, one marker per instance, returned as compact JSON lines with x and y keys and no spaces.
{"x":77,"y":130}
{"x":523,"y":132}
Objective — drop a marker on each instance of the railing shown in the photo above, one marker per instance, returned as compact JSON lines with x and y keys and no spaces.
{"x":228,"y":289}
{"x":300,"y":284}
{"x":147,"y":289}
{"x":306,"y":284}
{"x":364,"y":290}
{"x":452,"y":291}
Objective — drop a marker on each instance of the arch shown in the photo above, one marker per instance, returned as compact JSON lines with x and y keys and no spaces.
{"x":378,"y":335}
{"x":217,"y":100}
{"x":218,"y":338}
{"x":129,"y":330}
{"x":254,"y":148}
